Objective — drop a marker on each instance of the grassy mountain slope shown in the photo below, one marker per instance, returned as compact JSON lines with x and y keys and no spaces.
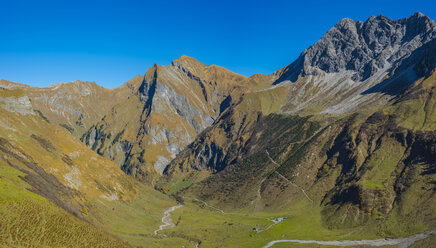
{"x":372,"y":169}
{"x":55,"y":192}
{"x":29,"y":219}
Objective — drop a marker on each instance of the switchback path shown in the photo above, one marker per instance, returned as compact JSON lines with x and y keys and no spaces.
{"x":222,"y":211}
{"x":245,"y":215}
{"x":207,"y":205}
{"x":401,"y":242}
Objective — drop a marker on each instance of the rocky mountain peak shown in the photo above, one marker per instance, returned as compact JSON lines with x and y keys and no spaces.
{"x":419,"y":24}
{"x":363,"y":47}
{"x":130,"y":87}
{"x":187,"y":59}
{"x":188,"y":63}
{"x":418,"y":16}
{"x":346,"y":23}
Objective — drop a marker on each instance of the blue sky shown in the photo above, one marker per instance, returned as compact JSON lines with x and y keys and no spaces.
{"x":109,"y":42}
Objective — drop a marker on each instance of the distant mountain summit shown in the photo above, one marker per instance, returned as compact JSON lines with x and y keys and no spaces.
{"x":171,"y":105}
{"x":360,"y":63}
{"x":364,"y":48}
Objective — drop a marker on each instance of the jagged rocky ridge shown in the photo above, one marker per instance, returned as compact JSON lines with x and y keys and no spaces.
{"x":358,"y":64}
{"x":364,"y":47}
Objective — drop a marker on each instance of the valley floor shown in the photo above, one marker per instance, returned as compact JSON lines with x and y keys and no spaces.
{"x":201,"y":225}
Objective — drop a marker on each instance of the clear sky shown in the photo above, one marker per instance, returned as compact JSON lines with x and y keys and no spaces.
{"x":109,"y":42}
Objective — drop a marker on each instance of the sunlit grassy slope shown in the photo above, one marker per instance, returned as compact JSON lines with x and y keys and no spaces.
{"x":56,"y":192}
{"x":30,"y":220}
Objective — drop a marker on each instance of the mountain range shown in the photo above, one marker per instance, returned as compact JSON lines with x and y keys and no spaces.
{"x":341,"y":142}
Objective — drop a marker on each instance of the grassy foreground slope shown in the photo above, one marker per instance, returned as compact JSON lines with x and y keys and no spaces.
{"x":30,"y":220}
{"x":56,"y":192}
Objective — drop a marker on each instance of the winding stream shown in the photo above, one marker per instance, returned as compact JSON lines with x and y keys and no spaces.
{"x":166,"y":219}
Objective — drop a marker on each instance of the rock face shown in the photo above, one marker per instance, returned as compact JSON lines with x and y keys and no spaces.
{"x":359,"y":64}
{"x":15,"y":101}
{"x":171,"y":106}
{"x":364,"y":47}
